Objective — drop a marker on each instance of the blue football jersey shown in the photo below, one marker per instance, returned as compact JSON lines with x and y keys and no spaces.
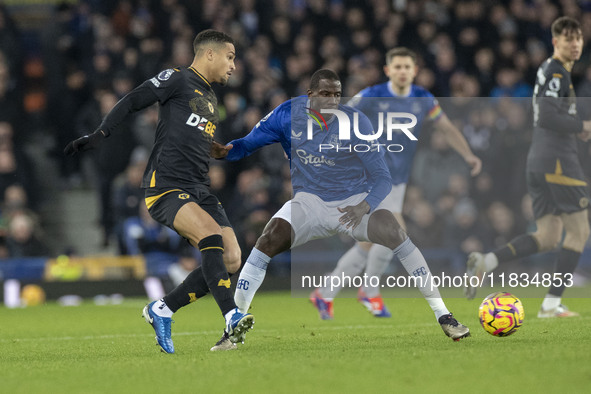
{"x":419,"y":102}
{"x":321,"y":162}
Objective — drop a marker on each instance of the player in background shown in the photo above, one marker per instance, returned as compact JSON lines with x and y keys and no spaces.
{"x":330,"y":193}
{"x":176,"y":179}
{"x":399,"y":95}
{"x":555,"y":178}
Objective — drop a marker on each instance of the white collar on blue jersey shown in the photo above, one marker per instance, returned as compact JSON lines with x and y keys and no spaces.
{"x":389,"y":84}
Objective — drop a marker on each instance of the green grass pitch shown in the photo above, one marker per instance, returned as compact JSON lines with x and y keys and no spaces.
{"x":111,"y":349}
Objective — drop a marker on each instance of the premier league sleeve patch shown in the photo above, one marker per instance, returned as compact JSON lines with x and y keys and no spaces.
{"x":165,"y":75}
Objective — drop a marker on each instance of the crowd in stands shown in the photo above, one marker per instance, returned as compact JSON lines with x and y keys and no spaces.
{"x":91,"y":53}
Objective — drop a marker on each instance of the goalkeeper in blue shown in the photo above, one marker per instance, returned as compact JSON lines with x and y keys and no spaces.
{"x":330,"y":192}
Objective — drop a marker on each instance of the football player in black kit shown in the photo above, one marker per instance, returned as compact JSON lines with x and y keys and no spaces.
{"x":176,"y":180}
{"x":555,"y":178}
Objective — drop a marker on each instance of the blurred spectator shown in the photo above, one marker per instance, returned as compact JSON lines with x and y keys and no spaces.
{"x":464,"y":232}
{"x":14,"y":165}
{"x":424,"y":227}
{"x":24,"y":237}
{"x":440,"y":156}
{"x":502,"y":225}
{"x":509,"y":84}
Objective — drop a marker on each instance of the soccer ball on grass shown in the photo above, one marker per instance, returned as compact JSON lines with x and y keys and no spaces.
{"x":501,"y":314}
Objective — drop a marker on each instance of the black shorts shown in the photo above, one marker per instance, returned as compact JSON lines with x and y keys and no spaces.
{"x":163,"y":205}
{"x":555,"y":194}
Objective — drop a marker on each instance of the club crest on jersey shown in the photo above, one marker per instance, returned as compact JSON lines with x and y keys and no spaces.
{"x":210,"y":107}
{"x":165,"y":75}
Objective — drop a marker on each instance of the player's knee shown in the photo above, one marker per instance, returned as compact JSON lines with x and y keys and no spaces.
{"x":577,"y":238}
{"x":548,"y":240}
{"x":383,"y":229}
{"x":232,"y":259}
{"x":276,"y":237}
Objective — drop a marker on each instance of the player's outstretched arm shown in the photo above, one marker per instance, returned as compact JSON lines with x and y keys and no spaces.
{"x":138,"y":99}
{"x":456,"y":140}
{"x":269,"y":130}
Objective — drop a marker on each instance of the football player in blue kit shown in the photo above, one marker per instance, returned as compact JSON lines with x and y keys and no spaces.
{"x":330,"y":191}
{"x":399,"y":95}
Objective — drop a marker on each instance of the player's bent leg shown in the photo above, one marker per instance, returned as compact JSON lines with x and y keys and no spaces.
{"x":195,"y":224}
{"x":549,"y":232}
{"x":232,"y":254}
{"x":415,"y":265}
{"x":577,"y":229}
{"x":378,"y":259}
{"x":547,"y":236}
{"x":576,"y":226}
{"x":352,"y":263}
{"x":383,"y":229}
{"x":276,"y":238}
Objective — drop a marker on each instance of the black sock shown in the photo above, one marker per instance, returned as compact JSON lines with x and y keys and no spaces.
{"x":193,"y":287}
{"x":565,"y":264}
{"x":522,"y":246}
{"x":215,"y":272}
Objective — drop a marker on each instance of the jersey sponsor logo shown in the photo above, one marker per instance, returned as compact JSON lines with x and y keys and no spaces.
{"x":165,"y":75}
{"x":183,"y":196}
{"x":224,"y":282}
{"x":296,"y":136}
{"x":316,"y":161}
{"x":155,"y":82}
{"x":206,"y":127}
